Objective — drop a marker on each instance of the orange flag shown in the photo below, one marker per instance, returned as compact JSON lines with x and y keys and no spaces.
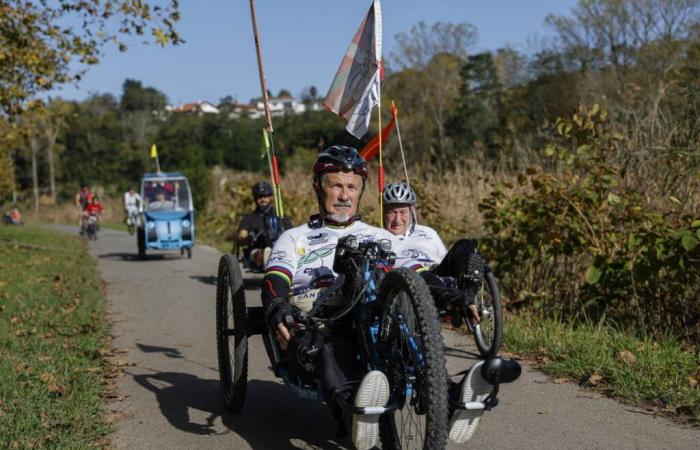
{"x":371,"y":149}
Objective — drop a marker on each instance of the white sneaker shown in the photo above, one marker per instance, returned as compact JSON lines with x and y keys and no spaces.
{"x":464,"y":421}
{"x":373,"y":391}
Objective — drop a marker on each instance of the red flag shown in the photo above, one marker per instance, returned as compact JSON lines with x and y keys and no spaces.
{"x":371,"y":149}
{"x":355,"y":89}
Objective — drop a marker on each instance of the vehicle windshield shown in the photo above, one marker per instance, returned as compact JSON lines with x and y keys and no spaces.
{"x":166,"y":194}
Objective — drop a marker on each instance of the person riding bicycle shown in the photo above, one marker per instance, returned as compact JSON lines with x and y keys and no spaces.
{"x":82,"y":199}
{"x":420,"y":248}
{"x":133,"y":205}
{"x":260,"y":229}
{"x":301,"y":264}
{"x":93,"y":208}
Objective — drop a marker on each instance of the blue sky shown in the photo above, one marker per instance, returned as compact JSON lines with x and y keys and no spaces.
{"x":302,"y":43}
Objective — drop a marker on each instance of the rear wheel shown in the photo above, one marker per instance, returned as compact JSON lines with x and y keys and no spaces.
{"x":414,"y":363}
{"x":488,"y":333}
{"x":231,"y":333}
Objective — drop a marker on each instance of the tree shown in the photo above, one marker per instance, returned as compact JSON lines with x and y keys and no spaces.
{"x":427,"y":85}
{"x":11,"y":140}
{"x":636,"y":47}
{"x":141,"y":108}
{"x":284,"y":93}
{"x":40,"y":42}
{"x":50,"y":121}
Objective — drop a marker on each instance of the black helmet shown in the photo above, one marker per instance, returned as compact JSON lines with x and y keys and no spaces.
{"x":339,"y":158}
{"x":399,"y":194}
{"x":262,"y":189}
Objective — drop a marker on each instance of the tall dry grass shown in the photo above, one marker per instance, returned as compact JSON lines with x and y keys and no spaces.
{"x":447,"y":201}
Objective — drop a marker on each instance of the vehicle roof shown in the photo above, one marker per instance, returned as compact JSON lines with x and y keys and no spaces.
{"x":161,"y":175}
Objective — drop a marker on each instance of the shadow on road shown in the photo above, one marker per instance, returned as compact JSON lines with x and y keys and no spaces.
{"x":272,"y":418}
{"x":129,"y":256}
{"x":457,"y":353}
{"x":206,"y":279}
{"x":167,"y":351}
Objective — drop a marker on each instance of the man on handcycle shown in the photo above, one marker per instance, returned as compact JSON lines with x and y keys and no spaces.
{"x":452,"y":277}
{"x":420,"y":247}
{"x":259,"y":229}
{"x":301,"y":264}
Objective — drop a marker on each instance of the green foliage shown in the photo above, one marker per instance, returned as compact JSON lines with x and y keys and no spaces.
{"x":39,"y":41}
{"x":582,"y":242}
{"x":52,"y":337}
{"x":656,"y":372}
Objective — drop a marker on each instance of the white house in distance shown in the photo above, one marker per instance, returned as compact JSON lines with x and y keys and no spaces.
{"x":279,"y":107}
{"x":198,"y":108}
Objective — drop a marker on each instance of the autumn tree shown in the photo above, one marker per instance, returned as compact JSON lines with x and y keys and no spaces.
{"x":45,"y":44}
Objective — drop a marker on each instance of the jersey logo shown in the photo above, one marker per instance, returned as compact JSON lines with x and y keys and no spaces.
{"x":317,"y":239}
{"x":315,"y":255}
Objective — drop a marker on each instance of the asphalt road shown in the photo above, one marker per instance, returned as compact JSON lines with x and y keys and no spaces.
{"x":163,"y":312}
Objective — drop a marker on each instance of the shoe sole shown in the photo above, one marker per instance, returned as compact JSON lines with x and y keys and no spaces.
{"x":474,"y":389}
{"x":373,"y":391}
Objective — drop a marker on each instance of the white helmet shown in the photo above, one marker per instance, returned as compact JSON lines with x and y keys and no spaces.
{"x":399,"y":194}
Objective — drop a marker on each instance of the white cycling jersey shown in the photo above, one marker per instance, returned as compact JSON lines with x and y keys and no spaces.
{"x":421,"y":247}
{"x":304,"y":255}
{"x":132,"y":201}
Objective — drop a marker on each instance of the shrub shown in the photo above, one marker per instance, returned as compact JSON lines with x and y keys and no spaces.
{"x":579,"y":241}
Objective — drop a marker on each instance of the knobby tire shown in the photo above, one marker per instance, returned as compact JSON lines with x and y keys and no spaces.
{"x":421,"y":423}
{"x":232,"y":349}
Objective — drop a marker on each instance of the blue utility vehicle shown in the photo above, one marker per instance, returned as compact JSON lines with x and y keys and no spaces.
{"x":168,"y":214}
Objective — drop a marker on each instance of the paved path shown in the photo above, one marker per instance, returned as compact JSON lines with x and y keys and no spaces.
{"x":163,"y":311}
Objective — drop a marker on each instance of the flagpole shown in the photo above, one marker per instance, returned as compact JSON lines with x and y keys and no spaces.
{"x":398,"y":134}
{"x":269,"y":141}
{"x":381,"y":167}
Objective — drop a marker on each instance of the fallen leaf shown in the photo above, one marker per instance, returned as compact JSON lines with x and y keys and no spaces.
{"x":92,"y":369}
{"x":626,"y":357}
{"x":693,"y":381}
{"x":47,"y":378}
{"x":595,"y":379}
{"x":561,"y":380}
{"x":15,"y":320}
{"x":56,"y":388}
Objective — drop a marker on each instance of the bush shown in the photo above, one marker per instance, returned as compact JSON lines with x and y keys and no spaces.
{"x":581,"y":242}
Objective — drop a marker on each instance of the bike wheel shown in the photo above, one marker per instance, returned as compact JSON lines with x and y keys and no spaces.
{"x":413,"y":353}
{"x":231,"y":333}
{"x":488,"y":333}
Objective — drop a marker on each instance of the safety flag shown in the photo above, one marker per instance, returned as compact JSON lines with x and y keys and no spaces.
{"x":355,"y":89}
{"x":371,"y":149}
{"x":154,"y":151}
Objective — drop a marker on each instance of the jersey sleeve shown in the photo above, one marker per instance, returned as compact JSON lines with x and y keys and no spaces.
{"x":246,"y":223}
{"x":283,"y":258}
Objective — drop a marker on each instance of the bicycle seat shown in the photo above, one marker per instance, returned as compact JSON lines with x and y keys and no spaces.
{"x":500,"y":370}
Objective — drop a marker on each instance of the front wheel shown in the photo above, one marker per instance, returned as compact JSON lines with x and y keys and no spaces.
{"x":231,"y":333}
{"x":488,"y":333}
{"x":414,"y":363}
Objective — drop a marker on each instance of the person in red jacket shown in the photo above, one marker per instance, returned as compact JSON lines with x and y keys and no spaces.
{"x":94,"y":207}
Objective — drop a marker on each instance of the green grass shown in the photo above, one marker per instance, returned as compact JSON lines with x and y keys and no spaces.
{"x":642,"y":371}
{"x":52,"y":333}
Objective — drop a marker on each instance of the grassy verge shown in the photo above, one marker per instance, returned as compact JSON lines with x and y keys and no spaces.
{"x":648,"y":373}
{"x":52,"y":333}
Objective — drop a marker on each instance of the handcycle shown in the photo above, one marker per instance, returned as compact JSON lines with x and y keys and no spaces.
{"x":478,"y":283}
{"x":394,"y":320}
